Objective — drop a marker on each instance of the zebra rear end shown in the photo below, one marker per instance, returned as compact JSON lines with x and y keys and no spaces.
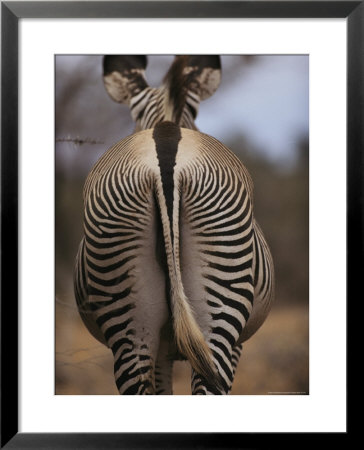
{"x":125,"y":282}
{"x":219,"y":246}
{"x":173,"y":263}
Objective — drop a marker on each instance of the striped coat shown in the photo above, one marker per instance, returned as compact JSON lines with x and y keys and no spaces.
{"x":172,"y":264}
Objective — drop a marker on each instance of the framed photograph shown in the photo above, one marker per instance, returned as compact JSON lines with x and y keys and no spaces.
{"x":288,"y":102}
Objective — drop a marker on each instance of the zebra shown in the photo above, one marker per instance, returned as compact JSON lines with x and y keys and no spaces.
{"x":172,"y":264}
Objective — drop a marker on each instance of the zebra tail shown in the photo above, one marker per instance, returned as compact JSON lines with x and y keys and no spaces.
{"x":189,"y":338}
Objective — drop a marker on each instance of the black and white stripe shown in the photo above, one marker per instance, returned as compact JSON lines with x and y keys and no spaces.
{"x":172,"y":264}
{"x":148,"y":108}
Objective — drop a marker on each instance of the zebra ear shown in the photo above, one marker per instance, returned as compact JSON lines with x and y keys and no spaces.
{"x":124,"y":76}
{"x":204,"y":74}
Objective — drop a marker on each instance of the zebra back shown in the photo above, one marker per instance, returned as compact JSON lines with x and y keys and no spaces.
{"x":170,"y":185}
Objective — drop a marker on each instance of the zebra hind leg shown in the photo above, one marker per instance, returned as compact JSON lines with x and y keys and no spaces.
{"x":200,"y":386}
{"x":133,"y":368}
{"x":163,"y":371}
{"x":136,"y":353}
{"x":135,"y":374}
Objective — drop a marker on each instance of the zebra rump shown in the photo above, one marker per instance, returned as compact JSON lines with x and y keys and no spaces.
{"x":173,"y":264}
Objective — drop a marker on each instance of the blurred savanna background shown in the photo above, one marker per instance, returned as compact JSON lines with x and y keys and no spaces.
{"x":260,"y":111}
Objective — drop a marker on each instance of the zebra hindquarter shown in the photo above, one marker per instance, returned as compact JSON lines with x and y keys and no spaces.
{"x":217,"y":266}
{"x":125,"y":282}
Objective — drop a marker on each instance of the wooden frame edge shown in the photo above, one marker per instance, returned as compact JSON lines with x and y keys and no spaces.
{"x":11,"y":13}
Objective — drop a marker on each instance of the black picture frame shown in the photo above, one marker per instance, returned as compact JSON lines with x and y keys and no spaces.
{"x":11,"y":12}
